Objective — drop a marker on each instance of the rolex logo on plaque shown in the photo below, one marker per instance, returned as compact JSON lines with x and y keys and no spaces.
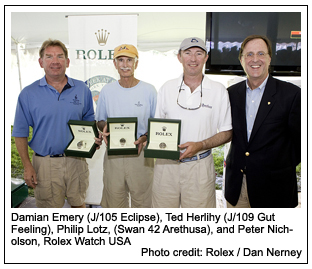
{"x":102,"y":37}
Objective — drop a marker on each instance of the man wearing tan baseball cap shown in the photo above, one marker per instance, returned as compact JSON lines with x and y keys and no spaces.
{"x":126,"y":50}
{"x":127,"y":175}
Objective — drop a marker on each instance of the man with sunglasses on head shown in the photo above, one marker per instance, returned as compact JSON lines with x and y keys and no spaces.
{"x":204,"y":109}
{"x":266,"y":144}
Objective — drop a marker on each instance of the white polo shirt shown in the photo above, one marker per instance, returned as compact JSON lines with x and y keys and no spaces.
{"x":214,"y":114}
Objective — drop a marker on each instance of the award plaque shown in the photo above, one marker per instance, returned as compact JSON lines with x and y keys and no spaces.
{"x":163,"y":139}
{"x":122,"y":135}
{"x":82,"y":144}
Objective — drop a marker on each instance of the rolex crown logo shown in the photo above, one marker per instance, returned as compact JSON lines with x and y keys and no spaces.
{"x":164,"y":128}
{"x":102,"y":37}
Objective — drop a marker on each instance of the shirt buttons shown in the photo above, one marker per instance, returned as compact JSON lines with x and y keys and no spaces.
{"x":247,"y":154}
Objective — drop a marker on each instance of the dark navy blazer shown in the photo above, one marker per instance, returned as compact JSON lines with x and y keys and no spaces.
{"x":270,"y":157}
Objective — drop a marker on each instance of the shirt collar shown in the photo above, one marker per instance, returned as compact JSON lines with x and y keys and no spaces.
{"x":43,"y":82}
{"x":261,"y":87}
{"x":180,"y":78}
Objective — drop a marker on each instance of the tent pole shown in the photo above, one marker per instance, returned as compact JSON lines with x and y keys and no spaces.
{"x":18,"y":63}
{"x":19,"y":68}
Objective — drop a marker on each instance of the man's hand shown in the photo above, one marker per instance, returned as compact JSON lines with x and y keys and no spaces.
{"x":98,"y":140}
{"x":30,"y":176}
{"x":191,"y":149}
{"x":141,"y":142}
{"x":102,"y":126}
{"x":105,"y":134}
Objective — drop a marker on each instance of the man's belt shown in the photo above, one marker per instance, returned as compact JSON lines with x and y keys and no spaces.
{"x":52,"y":156}
{"x":197,"y":157}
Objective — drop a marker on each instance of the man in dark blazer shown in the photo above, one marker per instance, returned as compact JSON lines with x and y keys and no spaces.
{"x":266,"y":144}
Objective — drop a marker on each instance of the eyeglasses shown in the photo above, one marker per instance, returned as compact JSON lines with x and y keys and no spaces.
{"x":201,"y":96}
{"x":250,"y":55}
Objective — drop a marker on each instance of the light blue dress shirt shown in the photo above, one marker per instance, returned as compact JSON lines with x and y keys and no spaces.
{"x":253,"y":99}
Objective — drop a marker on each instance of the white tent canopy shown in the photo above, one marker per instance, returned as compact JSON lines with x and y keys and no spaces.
{"x":160,"y":31}
{"x":159,"y":35}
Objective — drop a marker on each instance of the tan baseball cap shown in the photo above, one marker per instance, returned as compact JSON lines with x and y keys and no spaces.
{"x":126,"y":50}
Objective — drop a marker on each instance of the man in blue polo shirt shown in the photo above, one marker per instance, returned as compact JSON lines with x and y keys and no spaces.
{"x":127,"y":175}
{"x":47,"y":105}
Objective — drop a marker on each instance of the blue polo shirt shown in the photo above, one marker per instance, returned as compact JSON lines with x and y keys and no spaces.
{"x":47,"y":111}
{"x":138,"y":101}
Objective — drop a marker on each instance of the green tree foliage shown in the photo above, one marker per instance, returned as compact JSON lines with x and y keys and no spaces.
{"x":298,"y":170}
{"x":218,"y":158}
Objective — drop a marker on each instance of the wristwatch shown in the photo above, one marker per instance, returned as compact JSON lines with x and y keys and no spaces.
{"x":122,"y":141}
{"x":81,"y":144}
{"x":162,"y":145}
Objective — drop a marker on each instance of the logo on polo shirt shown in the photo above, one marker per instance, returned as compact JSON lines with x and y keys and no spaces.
{"x":208,"y":106}
{"x":139,"y":104}
{"x":76,"y":101}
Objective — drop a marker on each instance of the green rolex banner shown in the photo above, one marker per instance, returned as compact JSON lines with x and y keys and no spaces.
{"x":92,"y":40}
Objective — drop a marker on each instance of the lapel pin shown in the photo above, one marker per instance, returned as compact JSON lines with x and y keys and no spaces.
{"x":269,"y":103}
